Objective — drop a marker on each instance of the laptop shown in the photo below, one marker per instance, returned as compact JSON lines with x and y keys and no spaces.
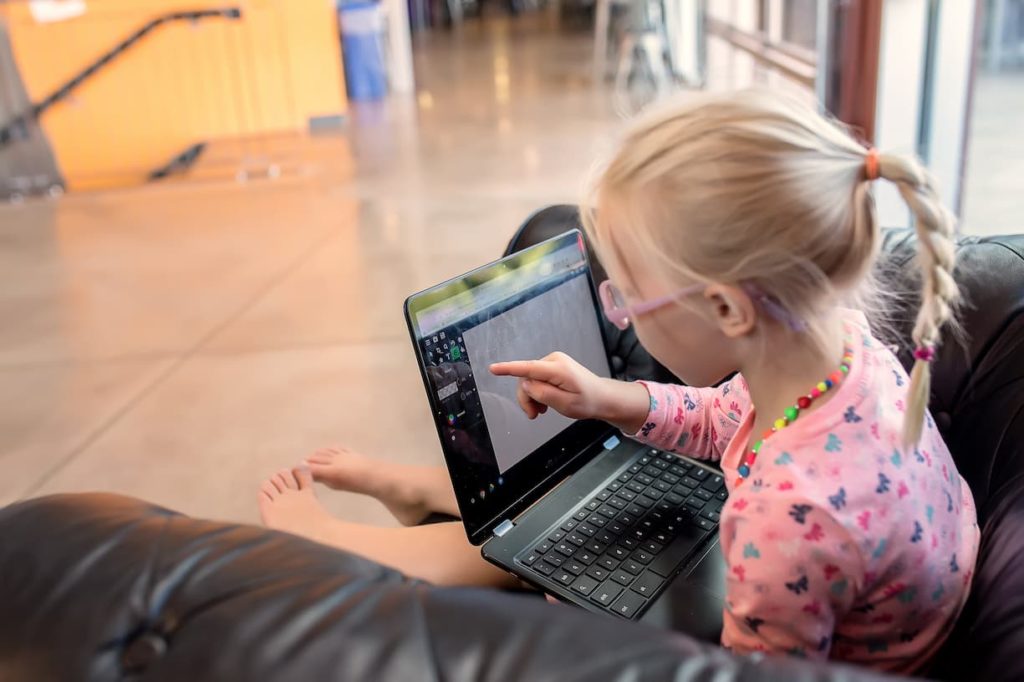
{"x":573,"y":508}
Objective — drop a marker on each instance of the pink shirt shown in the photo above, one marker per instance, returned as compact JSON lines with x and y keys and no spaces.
{"x":841,"y":543}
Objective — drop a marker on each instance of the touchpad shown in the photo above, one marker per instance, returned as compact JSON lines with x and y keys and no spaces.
{"x":693,"y":602}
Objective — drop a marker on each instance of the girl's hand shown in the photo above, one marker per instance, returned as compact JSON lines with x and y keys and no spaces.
{"x":571,"y":389}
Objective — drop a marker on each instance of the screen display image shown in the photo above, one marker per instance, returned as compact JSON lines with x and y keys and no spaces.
{"x":522,"y":308}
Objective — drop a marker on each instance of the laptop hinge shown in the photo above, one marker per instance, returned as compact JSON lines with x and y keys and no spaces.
{"x":503,"y":527}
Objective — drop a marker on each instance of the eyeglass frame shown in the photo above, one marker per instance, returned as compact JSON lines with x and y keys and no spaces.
{"x":620,"y":316}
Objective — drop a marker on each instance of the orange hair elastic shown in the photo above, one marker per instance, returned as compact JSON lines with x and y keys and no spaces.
{"x":871,"y":164}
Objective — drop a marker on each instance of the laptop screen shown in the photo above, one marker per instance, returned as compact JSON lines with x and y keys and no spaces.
{"x":523,"y":307}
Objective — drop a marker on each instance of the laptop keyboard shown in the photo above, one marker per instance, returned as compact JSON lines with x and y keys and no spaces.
{"x":621,"y":547}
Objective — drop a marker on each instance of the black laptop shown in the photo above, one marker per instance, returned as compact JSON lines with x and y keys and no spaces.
{"x":573,"y":508}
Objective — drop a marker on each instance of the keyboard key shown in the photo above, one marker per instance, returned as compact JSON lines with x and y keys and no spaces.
{"x":614,"y":486}
{"x":606,"y":594}
{"x":690,"y":482}
{"x":647,"y":584}
{"x":543,"y":547}
{"x":714,"y":483}
{"x":584,"y":529}
{"x":636,"y":486}
{"x":604,"y":495}
{"x":581,"y":515}
{"x":629,"y":604}
{"x":576,"y":539}
{"x":711,"y":515}
{"x":635,"y":469}
{"x":629,"y":542}
{"x":661,"y":464}
{"x":663,"y":538}
{"x":616,"y":528}
{"x":722,"y":495}
{"x":662,"y":486}
{"x":618,"y":552}
{"x":598,"y":573}
{"x":530,"y":558}
{"x":653,"y":493}
{"x":605,"y":537}
{"x":554,"y":558}
{"x":593,"y":504}
{"x":544,"y":568}
{"x":635,"y":510}
{"x":644,"y":502}
{"x":673,"y":498}
{"x":597,"y":521}
{"x":556,"y":536}
{"x":695,"y":502}
{"x":705,"y":524}
{"x":642,"y":556}
{"x":633,"y":567}
{"x":586,"y":557}
{"x":618,"y":503}
{"x":645,"y":459}
{"x":624,"y":478}
{"x":565,"y":548}
{"x":668,"y":457}
{"x":651,"y":546}
{"x":608,"y":562}
{"x":652,"y":471}
{"x":565,"y":577}
{"x":570,"y":524}
{"x":700,"y":473}
{"x":608,"y":512}
{"x":574,"y":567}
{"x":595,"y":547}
{"x":703,"y":493}
{"x":623,"y":578}
{"x":643,"y":479}
{"x":677,"y":470}
{"x":683,"y":491}
{"x":584,"y":585}
{"x":670,"y":478}
{"x":626,"y":494}
{"x":626,"y":519}
{"x":664,"y":506}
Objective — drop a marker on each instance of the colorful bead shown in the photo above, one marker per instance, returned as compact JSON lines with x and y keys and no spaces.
{"x":802,"y":403}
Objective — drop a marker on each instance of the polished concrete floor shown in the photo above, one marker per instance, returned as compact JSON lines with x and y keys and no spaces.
{"x":180,"y":342}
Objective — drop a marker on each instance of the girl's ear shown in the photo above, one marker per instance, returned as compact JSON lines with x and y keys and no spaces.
{"x":731,"y":309}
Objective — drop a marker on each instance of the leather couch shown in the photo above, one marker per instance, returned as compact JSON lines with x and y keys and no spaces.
{"x":105,"y":587}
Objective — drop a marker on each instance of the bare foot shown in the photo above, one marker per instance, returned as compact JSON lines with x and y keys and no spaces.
{"x":397,"y":487}
{"x":288,"y":502}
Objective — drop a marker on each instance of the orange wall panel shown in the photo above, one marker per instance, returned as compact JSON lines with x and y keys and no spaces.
{"x":184,"y":83}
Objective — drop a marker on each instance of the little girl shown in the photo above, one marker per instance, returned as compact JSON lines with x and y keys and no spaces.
{"x":737,"y":230}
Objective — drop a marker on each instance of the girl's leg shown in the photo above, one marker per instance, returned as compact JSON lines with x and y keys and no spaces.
{"x":438,"y":553}
{"x":411,"y":493}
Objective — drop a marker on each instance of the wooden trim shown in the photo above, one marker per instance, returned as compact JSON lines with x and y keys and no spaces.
{"x":857,"y":44}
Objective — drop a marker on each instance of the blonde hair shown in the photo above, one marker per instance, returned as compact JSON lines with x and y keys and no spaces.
{"x":757,"y":188}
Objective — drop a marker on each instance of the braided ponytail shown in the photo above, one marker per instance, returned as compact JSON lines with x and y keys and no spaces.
{"x":936,"y":256}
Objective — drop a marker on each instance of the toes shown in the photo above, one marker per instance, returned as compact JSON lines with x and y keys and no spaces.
{"x":304,"y":477}
{"x":289,"y":479}
{"x":279,"y":482}
{"x":268,"y":491}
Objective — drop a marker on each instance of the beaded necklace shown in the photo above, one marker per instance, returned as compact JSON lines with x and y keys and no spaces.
{"x":792,"y":413}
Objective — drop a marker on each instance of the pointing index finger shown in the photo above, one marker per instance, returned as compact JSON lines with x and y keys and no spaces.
{"x":524,"y":369}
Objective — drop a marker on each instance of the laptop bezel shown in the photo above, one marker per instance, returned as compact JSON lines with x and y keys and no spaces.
{"x":597,"y":432}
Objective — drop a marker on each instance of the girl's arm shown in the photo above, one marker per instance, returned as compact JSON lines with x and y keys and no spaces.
{"x":697,"y":422}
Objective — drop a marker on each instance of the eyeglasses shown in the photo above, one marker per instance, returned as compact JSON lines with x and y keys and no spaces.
{"x":621,"y":313}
